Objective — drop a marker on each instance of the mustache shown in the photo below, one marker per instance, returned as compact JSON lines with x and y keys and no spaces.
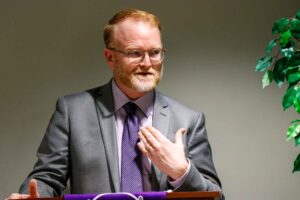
{"x":145,"y":71}
{"x":150,"y":71}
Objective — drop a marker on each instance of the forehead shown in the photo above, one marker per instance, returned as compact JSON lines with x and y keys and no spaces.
{"x":136,"y":33}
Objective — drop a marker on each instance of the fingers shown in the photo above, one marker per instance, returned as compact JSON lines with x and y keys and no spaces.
{"x":178,"y":136}
{"x":18,"y":196}
{"x":153,"y":136}
{"x":152,"y":139}
{"x":145,"y":141}
{"x":33,"y":189}
{"x":33,"y":192}
{"x":142,"y":148}
{"x":155,"y":133}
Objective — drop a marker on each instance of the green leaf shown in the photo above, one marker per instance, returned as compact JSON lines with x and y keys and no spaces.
{"x":295,"y":60}
{"x":295,"y":121}
{"x":270,"y":46}
{"x":263,"y":63}
{"x":278,"y":71}
{"x":298,"y":14}
{"x":293,"y":131}
{"x":288,"y":52}
{"x":296,"y":35}
{"x":290,"y":70}
{"x":285,"y":38}
{"x":295,"y":24}
{"x":294,"y":77}
{"x":288,"y":98}
{"x":267,"y":78}
{"x":296,"y":104}
{"x":297,"y":140}
{"x":280,"y":25}
{"x":297,"y":164}
{"x":295,"y":27}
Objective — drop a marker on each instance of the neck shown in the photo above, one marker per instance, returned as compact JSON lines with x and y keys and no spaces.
{"x":129,"y":92}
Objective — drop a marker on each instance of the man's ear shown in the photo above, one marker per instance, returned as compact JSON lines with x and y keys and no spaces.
{"x":109,"y":58}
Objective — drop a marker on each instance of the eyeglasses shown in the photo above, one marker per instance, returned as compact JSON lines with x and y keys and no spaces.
{"x":136,"y":56}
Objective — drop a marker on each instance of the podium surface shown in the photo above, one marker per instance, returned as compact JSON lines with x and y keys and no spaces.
{"x":193,"y":195}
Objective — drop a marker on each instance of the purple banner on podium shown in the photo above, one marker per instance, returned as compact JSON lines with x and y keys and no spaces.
{"x":118,"y":196}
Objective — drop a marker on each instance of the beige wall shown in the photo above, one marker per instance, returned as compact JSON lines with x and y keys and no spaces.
{"x":50,"y":48}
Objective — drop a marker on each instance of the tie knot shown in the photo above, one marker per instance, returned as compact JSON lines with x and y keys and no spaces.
{"x":130,"y":108}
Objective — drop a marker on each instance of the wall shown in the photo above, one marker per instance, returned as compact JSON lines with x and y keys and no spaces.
{"x":52,"y":48}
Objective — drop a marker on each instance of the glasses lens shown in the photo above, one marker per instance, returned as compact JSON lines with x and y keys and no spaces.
{"x":137,"y":56}
{"x":156,"y":55}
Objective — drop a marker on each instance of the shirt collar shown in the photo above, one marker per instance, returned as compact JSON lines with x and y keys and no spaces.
{"x":145,"y":103}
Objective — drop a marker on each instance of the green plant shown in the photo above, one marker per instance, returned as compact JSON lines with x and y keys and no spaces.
{"x":281,"y":64}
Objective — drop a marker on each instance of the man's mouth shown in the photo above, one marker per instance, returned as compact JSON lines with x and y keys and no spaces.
{"x":144,"y":74}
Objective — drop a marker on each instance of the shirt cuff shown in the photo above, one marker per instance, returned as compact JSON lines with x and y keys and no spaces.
{"x":177,"y":183}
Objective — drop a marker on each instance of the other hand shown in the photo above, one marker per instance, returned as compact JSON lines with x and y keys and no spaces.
{"x":33,"y":192}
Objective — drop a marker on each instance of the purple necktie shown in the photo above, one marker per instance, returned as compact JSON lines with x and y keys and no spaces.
{"x":131,"y":170}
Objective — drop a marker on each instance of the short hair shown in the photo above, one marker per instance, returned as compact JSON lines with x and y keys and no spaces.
{"x":125,"y":14}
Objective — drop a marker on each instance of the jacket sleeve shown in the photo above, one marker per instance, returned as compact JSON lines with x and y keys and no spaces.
{"x":51,"y":168}
{"x":202,"y":175}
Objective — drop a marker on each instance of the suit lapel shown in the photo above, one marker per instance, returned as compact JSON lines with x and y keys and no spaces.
{"x":105,"y":110}
{"x":161,"y":117}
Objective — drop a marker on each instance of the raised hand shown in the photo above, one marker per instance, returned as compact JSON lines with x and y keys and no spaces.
{"x":169,"y":157}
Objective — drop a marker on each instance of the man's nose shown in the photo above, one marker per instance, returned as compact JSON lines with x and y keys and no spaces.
{"x":146,"y":61}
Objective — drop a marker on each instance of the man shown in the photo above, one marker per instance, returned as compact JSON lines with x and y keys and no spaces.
{"x":125,"y":135}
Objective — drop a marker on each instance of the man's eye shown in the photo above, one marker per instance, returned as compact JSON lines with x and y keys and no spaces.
{"x":134,"y":53}
{"x":154,"y":52}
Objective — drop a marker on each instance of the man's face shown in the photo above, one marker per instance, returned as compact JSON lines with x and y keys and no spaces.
{"x":135,"y":79}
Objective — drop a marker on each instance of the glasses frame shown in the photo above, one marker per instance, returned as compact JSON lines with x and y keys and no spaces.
{"x":139,"y":60}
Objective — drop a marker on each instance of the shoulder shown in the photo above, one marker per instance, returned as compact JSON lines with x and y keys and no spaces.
{"x":83,"y":102}
{"x":85,"y":96}
{"x":177,"y":108}
{"x":165,"y":100}
{"x":179,"y":114}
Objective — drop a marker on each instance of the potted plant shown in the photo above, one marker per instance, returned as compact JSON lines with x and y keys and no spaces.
{"x":281,"y":65}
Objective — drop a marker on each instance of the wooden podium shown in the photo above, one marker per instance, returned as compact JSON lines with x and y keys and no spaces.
{"x":170,"y":196}
{"x":193,"y":195}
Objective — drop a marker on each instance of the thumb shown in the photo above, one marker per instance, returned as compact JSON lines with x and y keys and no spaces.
{"x":178,"y":136}
{"x":33,"y":189}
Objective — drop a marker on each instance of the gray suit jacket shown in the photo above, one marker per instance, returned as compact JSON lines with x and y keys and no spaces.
{"x":80,"y":144}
